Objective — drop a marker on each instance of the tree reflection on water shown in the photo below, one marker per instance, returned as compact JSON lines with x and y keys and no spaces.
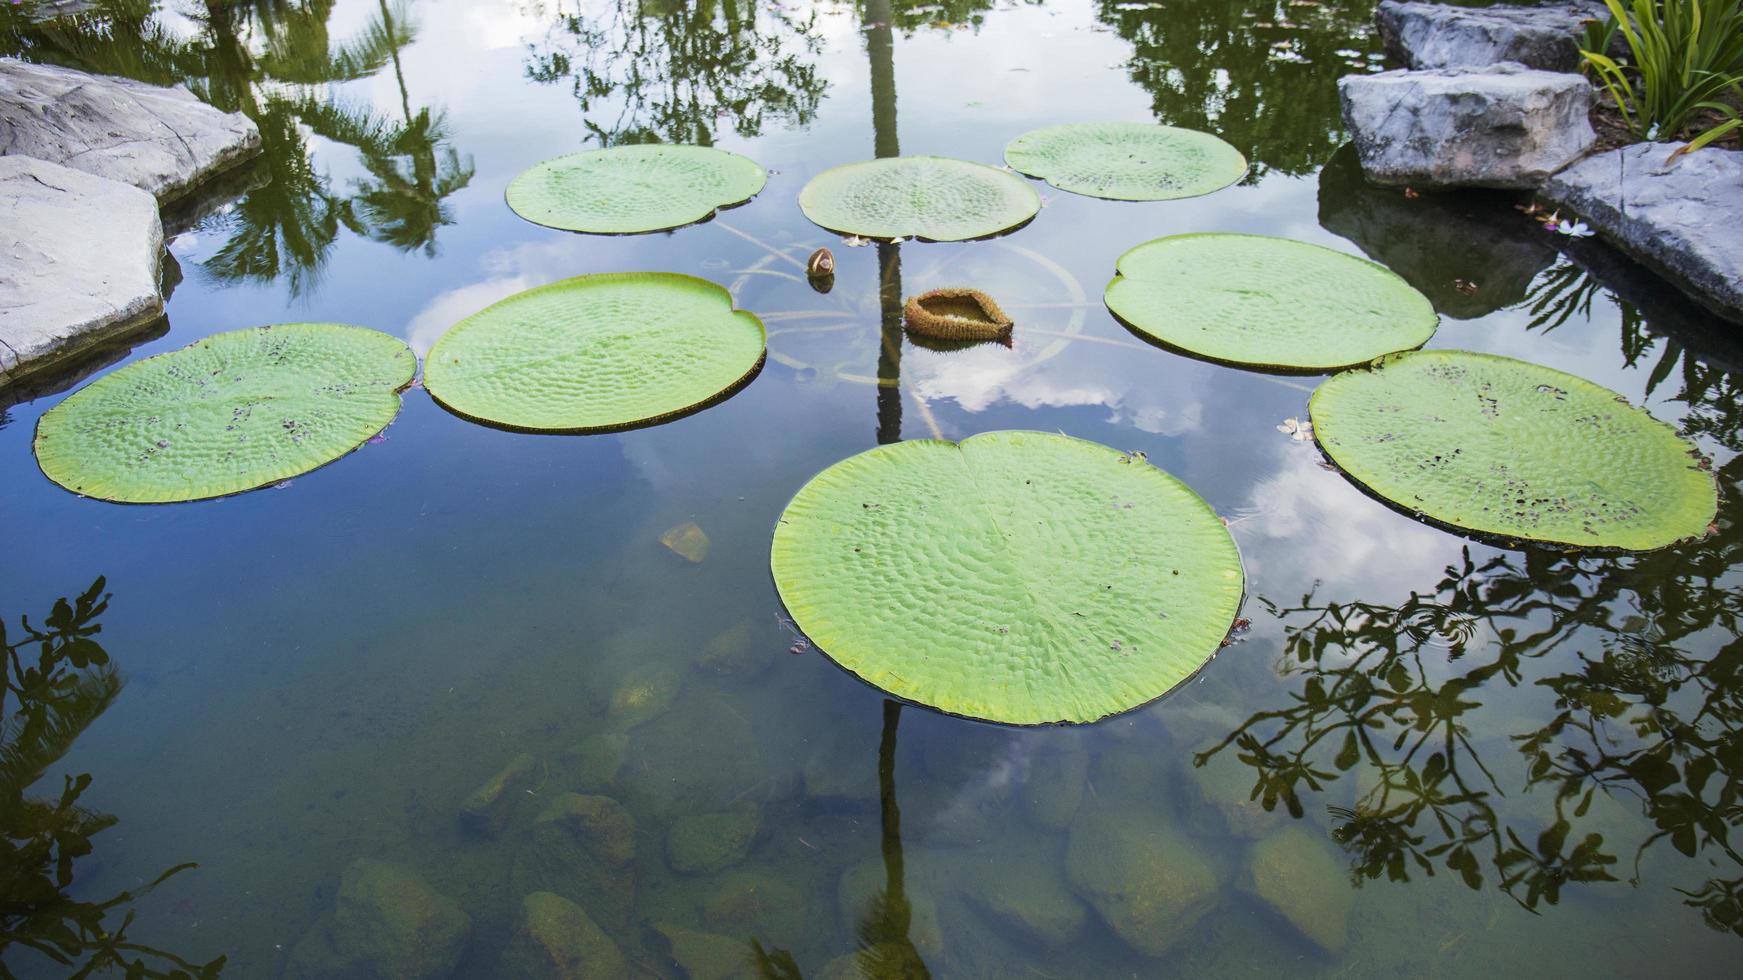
{"x":678,"y":71}
{"x":46,"y":703}
{"x":1644,"y":712}
{"x":275,"y":61}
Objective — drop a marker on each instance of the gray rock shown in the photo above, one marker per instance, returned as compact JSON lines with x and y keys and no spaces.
{"x":557,"y":941}
{"x":80,"y":258}
{"x":1506,"y":126}
{"x":161,"y":140}
{"x":489,"y":807}
{"x":1437,"y":35}
{"x":388,"y":923}
{"x":1680,"y":218}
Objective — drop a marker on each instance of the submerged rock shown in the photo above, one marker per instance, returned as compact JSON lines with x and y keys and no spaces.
{"x":489,"y":807}
{"x":1146,"y":882}
{"x":687,"y":540}
{"x":1055,"y":784}
{"x":583,"y":848}
{"x":160,"y":140}
{"x":733,"y":651}
{"x":597,"y":760}
{"x":1678,"y":217}
{"x":79,"y":262}
{"x":1507,"y":126}
{"x":706,"y":956}
{"x":1225,"y":800}
{"x":557,"y":941}
{"x":1298,"y":875}
{"x":643,"y":696}
{"x":1438,"y":35}
{"x":1029,"y":898}
{"x":387,"y":922}
{"x":709,"y":842}
{"x":751,"y":904}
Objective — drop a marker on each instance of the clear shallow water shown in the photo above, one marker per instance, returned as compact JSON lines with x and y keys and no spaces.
{"x":325,"y":671}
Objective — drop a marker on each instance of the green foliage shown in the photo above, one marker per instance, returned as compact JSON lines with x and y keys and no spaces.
{"x":44,"y":706}
{"x":1020,"y":577}
{"x":1685,"y":62}
{"x":596,"y":353}
{"x":235,"y":411}
{"x":1512,"y":449}
{"x":1267,"y":302}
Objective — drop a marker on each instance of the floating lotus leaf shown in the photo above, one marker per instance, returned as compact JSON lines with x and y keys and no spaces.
{"x":1267,"y":302}
{"x":956,"y":313}
{"x":630,"y":189}
{"x":934,"y":198}
{"x":233,"y":412}
{"x":596,"y":352}
{"x":1018,"y":577}
{"x":1127,"y":161}
{"x":1502,"y":447}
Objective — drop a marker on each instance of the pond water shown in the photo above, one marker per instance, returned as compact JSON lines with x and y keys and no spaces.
{"x":325,"y":671}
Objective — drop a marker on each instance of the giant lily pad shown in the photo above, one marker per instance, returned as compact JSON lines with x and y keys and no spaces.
{"x":628,"y":189}
{"x":606,"y":351}
{"x":1019,"y":577}
{"x":934,"y":198}
{"x":1127,"y":161}
{"x":235,"y":411}
{"x":1515,"y":450}
{"x":1267,"y":302}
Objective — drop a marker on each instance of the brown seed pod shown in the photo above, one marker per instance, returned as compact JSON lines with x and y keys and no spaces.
{"x":956,"y":314}
{"x":821,"y":263}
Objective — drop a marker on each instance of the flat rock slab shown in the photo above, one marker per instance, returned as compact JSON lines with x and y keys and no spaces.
{"x":79,"y":261}
{"x":161,"y":140}
{"x":1506,"y":126}
{"x":1438,"y":35}
{"x":1679,"y":218}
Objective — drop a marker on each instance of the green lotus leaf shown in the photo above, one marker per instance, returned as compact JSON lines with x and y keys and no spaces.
{"x":1513,"y":450}
{"x":629,"y":189}
{"x":934,"y":198}
{"x":597,"y":352}
{"x":1017,"y":577}
{"x":1127,"y":161}
{"x":1267,"y":302}
{"x":233,"y":412}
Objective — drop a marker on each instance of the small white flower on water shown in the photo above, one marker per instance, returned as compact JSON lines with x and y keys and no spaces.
{"x":854,"y":241}
{"x":1575,"y":229}
{"x":1296,"y":429}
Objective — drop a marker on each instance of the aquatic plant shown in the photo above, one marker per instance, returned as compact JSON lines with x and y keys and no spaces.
{"x":597,"y":352}
{"x":956,"y":313}
{"x":1019,"y":577}
{"x":232,"y":412}
{"x":1515,"y":450}
{"x":1684,"y":76}
{"x":1127,"y":161}
{"x":632,"y":189}
{"x":1267,"y":302}
{"x":933,"y":198}
{"x":45,"y":705}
